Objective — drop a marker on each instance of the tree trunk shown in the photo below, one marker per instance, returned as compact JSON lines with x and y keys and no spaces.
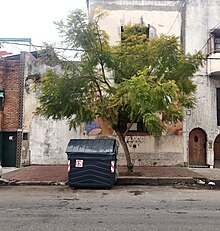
{"x":126,"y":151}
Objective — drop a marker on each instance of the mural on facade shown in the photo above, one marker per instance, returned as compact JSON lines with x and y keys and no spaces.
{"x":171,"y":129}
{"x":98,"y":127}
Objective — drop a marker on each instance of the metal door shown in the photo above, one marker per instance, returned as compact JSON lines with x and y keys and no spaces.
{"x":9,"y":144}
{"x":197,"y":147}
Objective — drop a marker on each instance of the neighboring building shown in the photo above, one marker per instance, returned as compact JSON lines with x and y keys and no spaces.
{"x":201,"y":137}
{"x":197,"y":23}
{"x":45,"y":140}
{"x":11,"y":111}
{"x":26,"y":138}
{"x":3,"y":53}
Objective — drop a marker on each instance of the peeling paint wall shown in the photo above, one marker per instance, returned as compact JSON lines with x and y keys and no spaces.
{"x":149,"y":150}
{"x":164,"y":17}
{"x":154,"y":151}
{"x":192,"y":20}
{"x":47,"y":139}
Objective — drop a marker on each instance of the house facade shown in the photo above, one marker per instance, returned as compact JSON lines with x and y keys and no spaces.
{"x":26,"y":138}
{"x":197,"y":24}
{"x":46,"y":139}
{"x":11,"y":112}
{"x":201,"y":144}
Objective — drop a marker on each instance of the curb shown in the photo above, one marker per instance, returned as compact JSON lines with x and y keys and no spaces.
{"x":119,"y":181}
{"x":155,"y":181}
{"x":3,"y":181}
{"x":150,"y":181}
{"x":31,"y":183}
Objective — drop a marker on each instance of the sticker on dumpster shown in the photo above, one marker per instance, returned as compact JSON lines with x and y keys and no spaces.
{"x":112,"y":166}
{"x":68,"y":165}
{"x":79,"y":164}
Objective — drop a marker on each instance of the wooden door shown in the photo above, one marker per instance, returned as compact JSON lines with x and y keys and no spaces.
{"x":217,"y":148}
{"x":197,"y":147}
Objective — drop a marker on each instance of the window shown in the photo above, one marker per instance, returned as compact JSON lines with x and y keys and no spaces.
{"x":2,"y":96}
{"x":140,"y":29}
{"x":124,"y":123}
{"x":218,"y":106}
{"x":25,"y":136}
{"x":217,"y":44}
{"x":196,"y":139}
{"x":214,"y":41}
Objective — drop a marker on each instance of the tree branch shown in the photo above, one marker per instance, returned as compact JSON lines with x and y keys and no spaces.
{"x":99,"y":90}
{"x":129,"y":126}
{"x":100,"y":58}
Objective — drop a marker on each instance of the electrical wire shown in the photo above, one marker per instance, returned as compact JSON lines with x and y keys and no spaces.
{"x":8,"y":49}
{"x":181,"y":8}
{"x":81,"y":50}
{"x":211,"y":35}
{"x":217,"y":25}
{"x":15,"y":47}
{"x":33,"y":46}
{"x":173,"y":23}
{"x":40,"y":46}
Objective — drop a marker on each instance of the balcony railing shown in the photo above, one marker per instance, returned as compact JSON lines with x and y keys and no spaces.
{"x":213,"y":64}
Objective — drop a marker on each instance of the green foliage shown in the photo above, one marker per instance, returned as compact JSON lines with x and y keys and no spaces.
{"x":148,"y":97}
{"x":62,"y":97}
{"x":48,"y":56}
{"x":151,"y":76}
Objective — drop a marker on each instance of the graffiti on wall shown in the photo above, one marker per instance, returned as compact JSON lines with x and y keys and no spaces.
{"x":134,"y":141}
{"x":171,"y":129}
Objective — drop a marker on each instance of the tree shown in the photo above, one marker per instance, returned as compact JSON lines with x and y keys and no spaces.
{"x":151,"y":77}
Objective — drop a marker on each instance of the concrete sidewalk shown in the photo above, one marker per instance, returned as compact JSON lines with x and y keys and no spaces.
{"x":57,"y":175}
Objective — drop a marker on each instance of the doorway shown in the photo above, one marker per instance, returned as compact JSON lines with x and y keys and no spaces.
{"x":217,"y":152}
{"x":9,"y":147}
{"x":197,"y":147}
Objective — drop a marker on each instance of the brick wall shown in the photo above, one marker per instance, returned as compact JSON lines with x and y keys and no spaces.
{"x":10,"y":82}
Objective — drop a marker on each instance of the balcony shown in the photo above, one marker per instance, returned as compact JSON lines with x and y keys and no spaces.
{"x":213,"y":49}
{"x":213,"y":64}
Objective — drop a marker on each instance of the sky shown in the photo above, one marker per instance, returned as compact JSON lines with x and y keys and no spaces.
{"x":33,"y":19}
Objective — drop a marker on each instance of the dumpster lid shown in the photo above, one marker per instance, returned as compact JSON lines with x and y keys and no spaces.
{"x":91,"y":146}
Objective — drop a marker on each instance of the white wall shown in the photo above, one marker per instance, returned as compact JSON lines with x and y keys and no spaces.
{"x":155,"y":151}
{"x":164,"y":17}
{"x":48,"y":139}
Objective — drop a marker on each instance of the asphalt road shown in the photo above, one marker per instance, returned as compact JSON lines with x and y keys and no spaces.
{"x":46,"y":208}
